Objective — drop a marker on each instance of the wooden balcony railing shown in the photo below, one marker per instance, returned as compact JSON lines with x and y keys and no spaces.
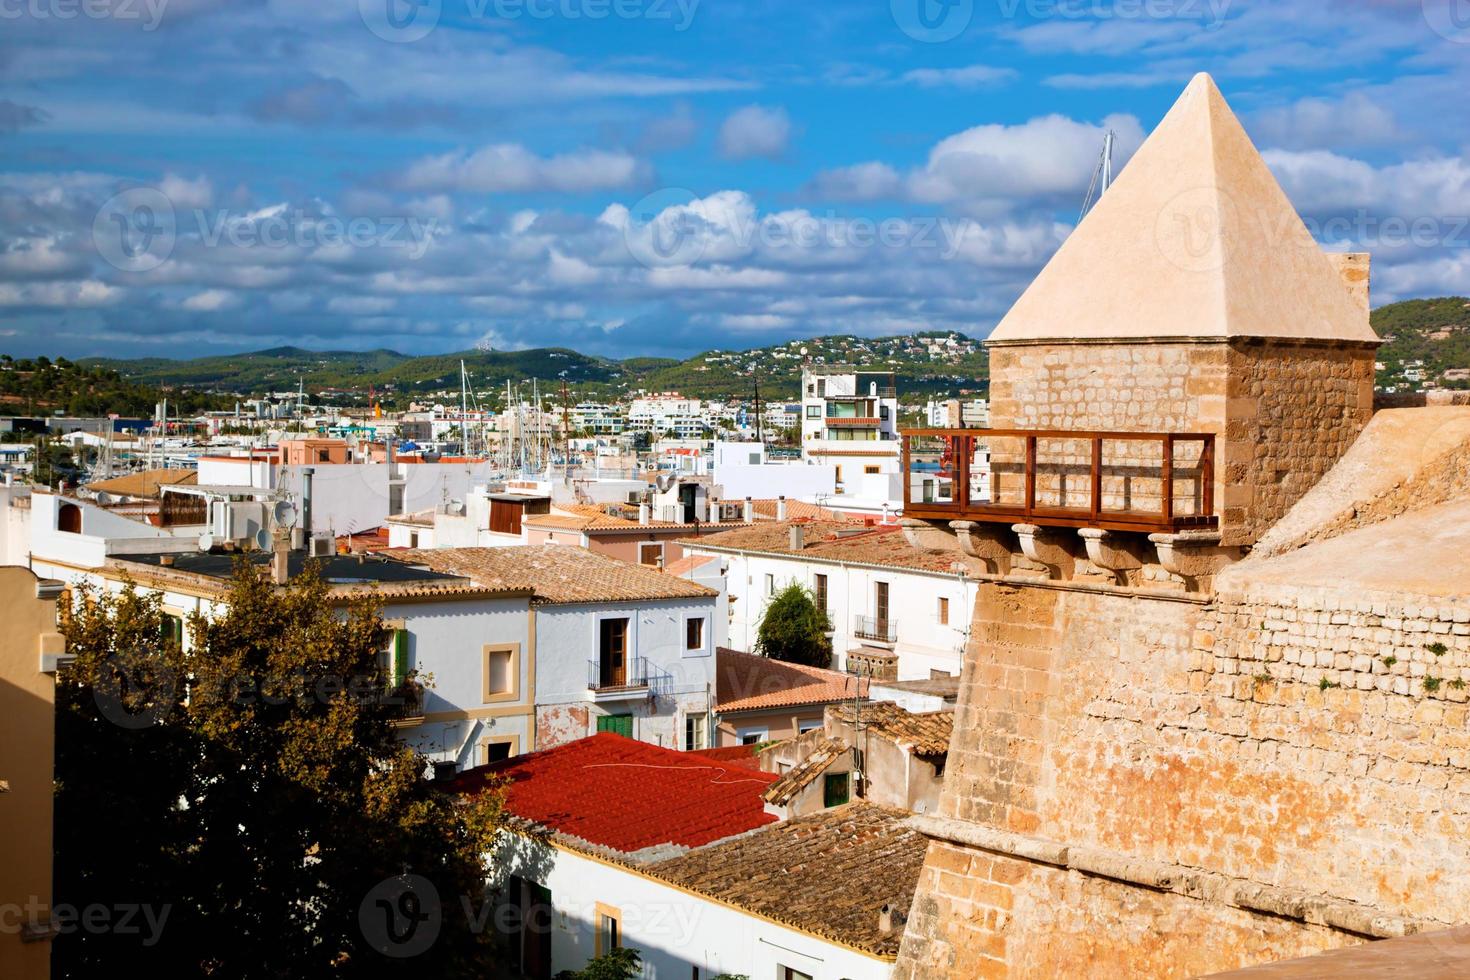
{"x":1061,"y":478}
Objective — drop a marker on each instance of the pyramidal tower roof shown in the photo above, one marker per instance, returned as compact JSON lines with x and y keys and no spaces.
{"x":1194,"y":239}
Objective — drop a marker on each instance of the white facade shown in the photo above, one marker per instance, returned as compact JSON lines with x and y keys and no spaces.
{"x":850,"y":421}
{"x":679,"y":680}
{"x":675,"y":931}
{"x":929,"y":612}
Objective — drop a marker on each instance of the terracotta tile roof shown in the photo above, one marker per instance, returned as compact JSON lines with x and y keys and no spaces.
{"x":595,"y":517}
{"x":560,"y":522}
{"x":734,"y":755}
{"x":145,"y":483}
{"x":838,"y":541}
{"x":927,"y":733}
{"x":586,"y":790}
{"x":795,"y":510}
{"x":688,"y":564}
{"x":558,"y":573}
{"x":749,"y":682}
{"x":804,"y":773}
{"x":828,"y":874}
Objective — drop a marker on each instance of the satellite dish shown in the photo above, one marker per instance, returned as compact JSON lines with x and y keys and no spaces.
{"x":284,"y":513}
{"x":263,"y":539}
{"x":104,"y":498}
{"x":206,"y":541}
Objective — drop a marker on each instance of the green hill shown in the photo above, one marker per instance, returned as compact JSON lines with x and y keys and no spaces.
{"x":1423,"y":340}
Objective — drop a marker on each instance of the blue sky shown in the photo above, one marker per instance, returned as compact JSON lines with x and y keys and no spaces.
{"x":185,"y":177}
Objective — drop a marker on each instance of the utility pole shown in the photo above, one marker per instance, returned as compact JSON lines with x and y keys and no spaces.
{"x":760,"y":427}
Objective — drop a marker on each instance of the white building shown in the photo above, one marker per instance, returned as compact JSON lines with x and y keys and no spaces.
{"x":692,"y":872}
{"x":850,"y":420}
{"x":620,"y":647}
{"x":896,"y":612}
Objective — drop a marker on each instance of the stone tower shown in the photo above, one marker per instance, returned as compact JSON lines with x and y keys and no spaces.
{"x":1192,"y":299}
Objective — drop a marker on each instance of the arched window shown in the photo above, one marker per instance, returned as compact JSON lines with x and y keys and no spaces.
{"x":69,"y":519}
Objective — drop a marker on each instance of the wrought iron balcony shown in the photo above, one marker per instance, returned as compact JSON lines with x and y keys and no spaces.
{"x":1123,"y":481}
{"x":883,"y":630}
{"x":409,"y":698}
{"x":605,"y":676}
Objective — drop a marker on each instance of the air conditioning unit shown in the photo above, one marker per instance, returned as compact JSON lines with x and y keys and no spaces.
{"x":321,"y":546}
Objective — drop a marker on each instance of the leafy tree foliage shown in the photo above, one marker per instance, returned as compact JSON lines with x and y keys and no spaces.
{"x":618,"y":964}
{"x":251,"y":792}
{"x":795,"y":629}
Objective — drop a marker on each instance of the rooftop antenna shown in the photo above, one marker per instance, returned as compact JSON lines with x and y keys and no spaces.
{"x":1102,"y":175}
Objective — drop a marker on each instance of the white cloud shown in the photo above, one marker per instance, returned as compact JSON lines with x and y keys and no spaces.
{"x":361,"y":305}
{"x":86,"y":293}
{"x":861,"y":182}
{"x":1354,"y":120}
{"x":511,"y":168}
{"x":970,"y":76}
{"x":755,"y":131}
{"x":184,"y":193}
{"x":209,"y":301}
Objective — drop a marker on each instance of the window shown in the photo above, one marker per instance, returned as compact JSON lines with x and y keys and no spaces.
{"x":322,"y":456}
{"x":613,"y":653}
{"x":395,"y":659}
{"x":609,"y":929}
{"x":807,"y":725}
{"x":497,"y":751}
{"x":617,"y":724}
{"x":814,"y":411}
{"x":821,"y":387}
{"x":770,"y":584}
{"x":395,"y":498}
{"x":500,"y":672}
{"x":835,"y":788}
{"x":753,"y":736}
{"x":69,"y":519}
{"x":695,"y":728}
{"x":943,"y":611}
{"x":819,"y":591}
{"x":173,"y":629}
{"x":694,"y":633}
{"x":787,"y":973}
{"x":871,"y":470}
{"x":651,"y":554}
{"x":880,"y":605}
{"x":883,"y":412}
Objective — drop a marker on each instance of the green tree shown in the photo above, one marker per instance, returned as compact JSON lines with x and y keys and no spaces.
{"x":251,"y":793}
{"x":795,"y":629}
{"x":617,"y":964}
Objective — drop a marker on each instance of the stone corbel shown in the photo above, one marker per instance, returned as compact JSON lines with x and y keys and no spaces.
{"x":993,"y":544}
{"x":1117,"y":553}
{"x":1048,"y":546}
{"x":1195,"y":556}
{"x":926,"y":535}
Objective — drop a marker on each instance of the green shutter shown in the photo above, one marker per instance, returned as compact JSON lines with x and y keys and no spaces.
{"x":617,"y":724}
{"x":400,"y":657}
{"x":835,"y":789}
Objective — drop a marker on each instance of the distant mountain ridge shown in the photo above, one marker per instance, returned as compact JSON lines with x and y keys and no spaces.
{"x":1434,"y":331}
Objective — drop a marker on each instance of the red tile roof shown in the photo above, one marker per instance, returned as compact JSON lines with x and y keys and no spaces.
{"x":735,"y":755}
{"x":627,"y":795}
{"x":750,"y":682}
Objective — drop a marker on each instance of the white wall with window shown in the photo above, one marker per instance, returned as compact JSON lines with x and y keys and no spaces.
{"x":677,"y":933}
{"x":926,"y":613}
{"x":649,"y":663}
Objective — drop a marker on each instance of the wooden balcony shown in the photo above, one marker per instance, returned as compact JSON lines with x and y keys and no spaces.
{"x":854,"y":421}
{"x":1120,"y":481}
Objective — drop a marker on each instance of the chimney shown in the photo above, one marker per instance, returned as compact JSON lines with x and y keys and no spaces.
{"x":885,"y":919}
{"x":644,"y":512}
{"x":166,"y":560}
{"x":280,"y":569}
{"x":747,"y":513}
{"x":798,"y":537}
{"x":781,"y":508}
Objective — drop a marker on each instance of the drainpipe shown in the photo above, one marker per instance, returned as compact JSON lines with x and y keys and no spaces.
{"x":306,"y":473}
